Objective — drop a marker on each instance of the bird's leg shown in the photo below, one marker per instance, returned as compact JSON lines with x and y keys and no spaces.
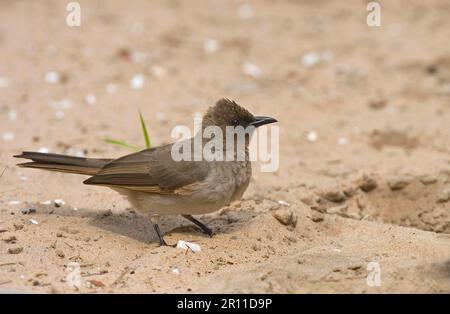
{"x":204,"y":228}
{"x":154,"y":221}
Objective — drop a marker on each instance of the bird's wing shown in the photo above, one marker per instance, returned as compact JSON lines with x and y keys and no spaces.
{"x":152,"y":171}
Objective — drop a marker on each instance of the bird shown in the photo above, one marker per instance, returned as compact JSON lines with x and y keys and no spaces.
{"x":156,"y":184}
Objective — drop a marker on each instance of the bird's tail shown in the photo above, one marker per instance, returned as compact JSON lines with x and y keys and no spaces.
{"x":62,"y":163}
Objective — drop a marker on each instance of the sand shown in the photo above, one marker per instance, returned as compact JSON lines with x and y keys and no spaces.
{"x":364,"y":172}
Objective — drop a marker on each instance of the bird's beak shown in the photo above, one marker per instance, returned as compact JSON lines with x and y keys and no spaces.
{"x":261,"y":120}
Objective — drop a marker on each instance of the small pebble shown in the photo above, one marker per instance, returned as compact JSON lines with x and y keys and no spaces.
{"x":158,"y":71}
{"x":286,"y":216}
{"x":52,"y":77}
{"x":366,"y":183}
{"x":311,"y":136}
{"x":444,"y":196}
{"x":398,"y":183}
{"x":90,"y":99}
{"x":283,"y":203}
{"x":11,"y":239}
{"x":4,"y":82}
{"x":15,"y":250}
{"x":27,"y":211}
{"x":34,"y":222}
{"x":8,"y":136}
{"x":251,"y":70}
{"x":334,"y":195}
{"x":342,"y":141}
{"x":428,"y":179}
{"x":60,"y":253}
{"x":137,"y":81}
{"x":58,"y":202}
{"x":211,"y":45}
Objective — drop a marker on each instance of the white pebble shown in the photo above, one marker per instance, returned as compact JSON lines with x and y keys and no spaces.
{"x":342,"y":141}
{"x":310,"y":59}
{"x":188,"y":246}
{"x":34,"y":222}
{"x":12,"y":115}
{"x":311,"y":136}
{"x":313,"y":58}
{"x":175,"y":271}
{"x":52,"y":77}
{"x":90,"y":99}
{"x":137,"y":81}
{"x":8,"y":136}
{"x":59,"y":202}
{"x":46,"y":203}
{"x":4,"y":82}
{"x":44,"y":150}
{"x":158,"y":71}
{"x":14,"y":202}
{"x":245,"y":11}
{"x":284,"y":203}
{"x":211,"y":45}
{"x":251,"y":70}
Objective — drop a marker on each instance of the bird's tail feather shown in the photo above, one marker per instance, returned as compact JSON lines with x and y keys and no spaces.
{"x":62,"y":163}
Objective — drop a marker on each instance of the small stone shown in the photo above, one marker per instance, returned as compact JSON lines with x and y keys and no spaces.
{"x":18,"y":226}
{"x":285,"y":216}
{"x":334,"y":195}
{"x":444,"y":196}
{"x":15,"y":250}
{"x":251,"y":70}
{"x":137,"y":81}
{"x":158,"y":71}
{"x":60,"y":253}
{"x":52,"y":77}
{"x":317,"y":217}
{"x":337,"y":210}
{"x":27,"y":211}
{"x":58,"y":202}
{"x":311,"y":136}
{"x":211,"y":45}
{"x":398,"y":183}
{"x":8,"y":136}
{"x":428,"y":179}
{"x":366,"y":183}
{"x":11,"y":239}
{"x":90,"y":99}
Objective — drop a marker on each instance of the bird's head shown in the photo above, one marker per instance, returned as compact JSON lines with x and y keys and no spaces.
{"x":228,"y":113}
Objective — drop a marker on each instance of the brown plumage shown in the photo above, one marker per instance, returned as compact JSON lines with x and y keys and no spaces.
{"x":155,"y":184}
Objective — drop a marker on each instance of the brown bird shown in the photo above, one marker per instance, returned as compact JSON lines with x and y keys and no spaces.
{"x":155,"y":184}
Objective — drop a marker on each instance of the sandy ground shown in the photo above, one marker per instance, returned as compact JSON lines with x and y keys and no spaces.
{"x":364,"y":170}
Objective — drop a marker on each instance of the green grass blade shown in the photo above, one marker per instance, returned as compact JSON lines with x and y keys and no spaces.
{"x":120,"y":143}
{"x":144,"y":130}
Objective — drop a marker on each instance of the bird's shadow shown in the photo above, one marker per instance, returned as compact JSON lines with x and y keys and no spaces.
{"x":139,"y":227}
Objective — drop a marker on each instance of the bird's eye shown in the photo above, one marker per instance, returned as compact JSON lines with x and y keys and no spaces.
{"x":235,"y":122}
